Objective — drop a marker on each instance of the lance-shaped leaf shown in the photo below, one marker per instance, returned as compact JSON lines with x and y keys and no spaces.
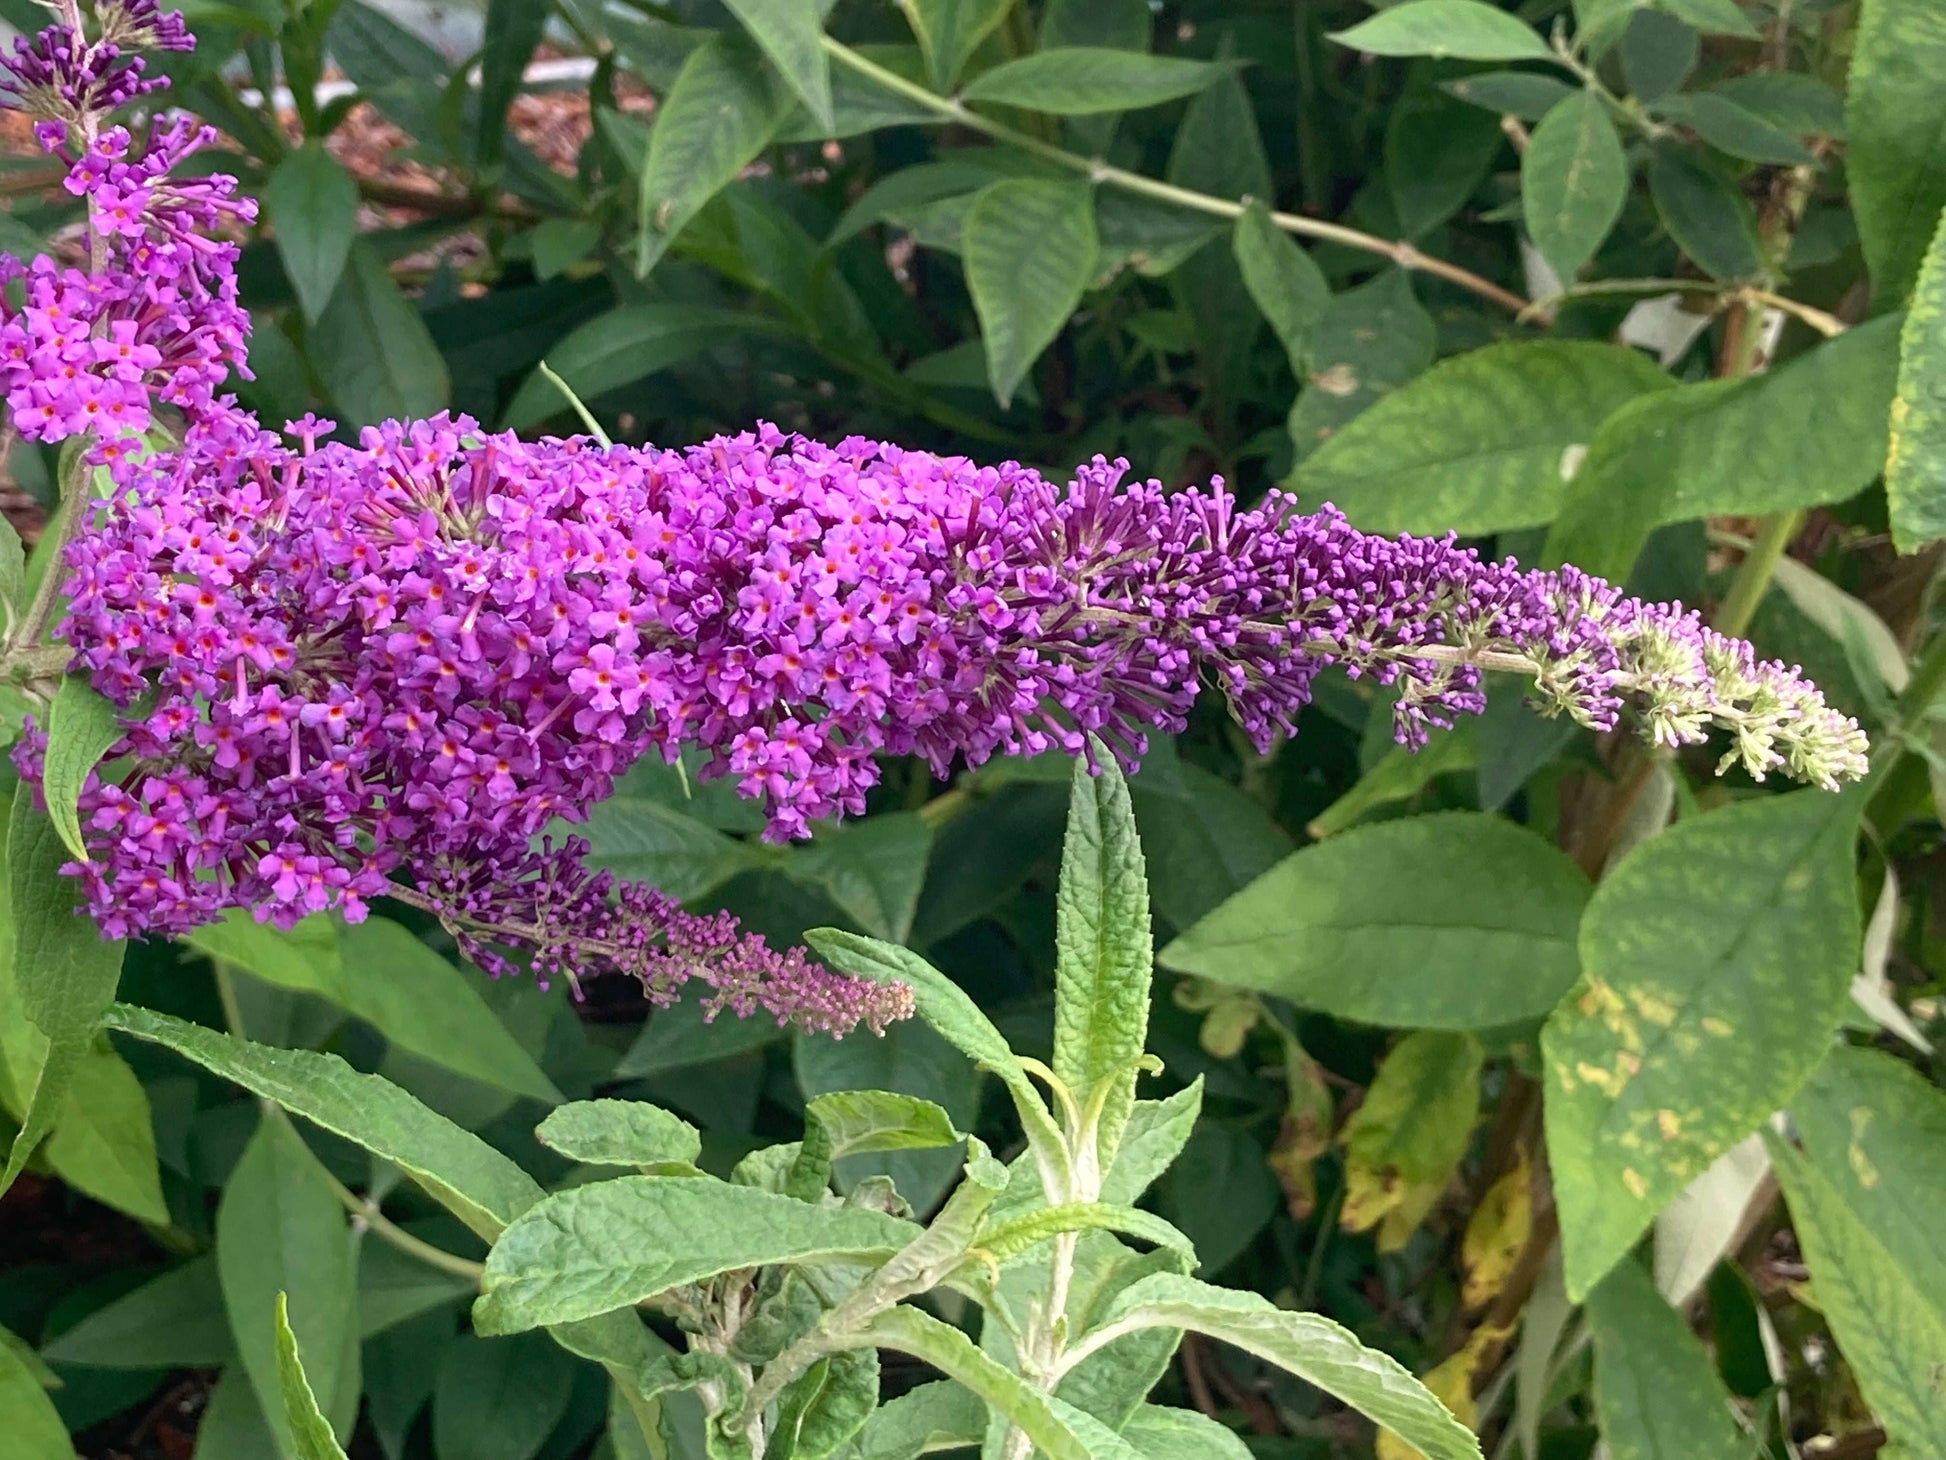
{"x":1029,"y":249}
{"x":34,"y":1427}
{"x":1007,"y":1240}
{"x":619,"y":1133}
{"x":1466,"y":29}
{"x":1075,"y":81}
{"x":1895,"y":111}
{"x":593,"y":1249}
{"x":1314,"y":1348}
{"x":1915,"y":468}
{"x":81,"y":726}
{"x":1656,"y":1391}
{"x":312,"y":205}
{"x":791,"y":33}
{"x":311,"y":1437}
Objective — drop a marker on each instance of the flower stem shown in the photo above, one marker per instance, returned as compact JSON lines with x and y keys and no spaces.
{"x":1096,"y":170}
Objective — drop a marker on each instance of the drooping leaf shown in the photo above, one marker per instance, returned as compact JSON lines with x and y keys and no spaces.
{"x":34,"y":1427}
{"x":310,"y":1432}
{"x":1718,"y":957}
{"x":175,"y":1320}
{"x":1437,"y":153}
{"x":1372,"y":340}
{"x":1073,"y":81}
{"x":312,"y":205}
{"x":1325,"y":929}
{"x":103,"y":1143}
{"x":1104,"y":952}
{"x":1706,"y":214}
{"x":280,"y":1230}
{"x":1890,"y":1327}
{"x":498,"y":1399}
{"x":791,"y":33}
{"x":64,"y":973}
{"x":1915,"y":466}
{"x":592,"y":1249}
{"x":81,"y":727}
{"x":1308,"y":1345}
{"x":1404,"y":1142}
{"x":1287,"y":286}
{"x":873,"y":869}
{"x":949,"y":31}
{"x":1029,"y":249}
{"x":1464,"y":29}
{"x":624,"y":346}
{"x":1811,"y":431}
{"x":1656,"y":1391}
{"x":721,"y":112}
{"x":1573,"y":182}
{"x":619,"y":1133}
{"x":371,"y":349}
{"x":1483,"y":442}
{"x":821,"y":1413}
{"x":1895,"y":112}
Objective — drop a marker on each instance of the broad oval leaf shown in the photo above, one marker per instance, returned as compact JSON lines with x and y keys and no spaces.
{"x":1895,"y":113}
{"x":1644,"y":1348}
{"x":1327,"y":929}
{"x":1706,"y":213}
{"x":1074,"y":81}
{"x":593,"y":1249}
{"x":1915,"y":467}
{"x":1727,"y":127}
{"x":1573,"y":182}
{"x":312,"y":205}
{"x":1309,"y":1346}
{"x":619,"y":1133}
{"x":1287,"y":286}
{"x":1465,"y":29}
{"x":1029,"y":250}
{"x":1483,"y":442}
{"x":1718,"y":960}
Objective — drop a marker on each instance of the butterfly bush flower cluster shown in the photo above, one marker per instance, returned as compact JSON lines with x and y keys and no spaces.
{"x":389,"y":667}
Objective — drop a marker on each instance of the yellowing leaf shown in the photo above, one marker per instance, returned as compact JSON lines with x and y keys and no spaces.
{"x":1404,"y":1142}
{"x":1452,"y":1381}
{"x":1496,"y":1234}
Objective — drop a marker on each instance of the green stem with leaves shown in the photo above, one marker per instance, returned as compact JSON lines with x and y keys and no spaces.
{"x":1098,"y":171}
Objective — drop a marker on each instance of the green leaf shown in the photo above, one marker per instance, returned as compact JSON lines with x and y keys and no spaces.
{"x":64,"y":974}
{"x":1076,"y":81}
{"x":1288,"y":287}
{"x":1889,"y":1326}
{"x":1792,"y":102}
{"x":13,"y":568}
{"x":394,"y":1287}
{"x":372,"y":351}
{"x":280,"y":1230}
{"x":1809,"y":432}
{"x":1161,"y":1433}
{"x":1203,"y":839}
{"x":481,"y":1187}
{"x":103,"y":1143}
{"x":592,"y":1249}
{"x":378,"y":971}
{"x":1104,"y":949}
{"x":1404,"y":1142}
{"x":1895,"y":111}
{"x":34,"y":1427}
{"x":1488,"y":441}
{"x":791,"y":33}
{"x":1727,"y":127}
{"x":1712,"y":17}
{"x":312,"y":205}
{"x":821,"y":1412}
{"x":176,"y":1320}
{"x":1523,"y":94}
{"x":1372,"y":340}
{"x":1326,"y":928}
{"x":1915,"y":467}
{"x":1309,"y":1346}
{"x":647,"y":841}
{"x":682,"y":1036}
{"x":1059,"y":1430}
{"x":513,"y":29}
{"x":1658,"y":53}
{"x":1007,"y":1240}
{"x":1398,"y":775}
{"x":1656,"y":1391}
{"x":1156,"y":1132}
{"x":722,"y":111}
{"x":949,"y":31}
{"x":1875,"y":1130}
{"x":310,"y":1433}
{"x":81,"y":727}
{"x":1029,"y":251}
{"x":856,"y":1122}
{"x":499,"y":1399}
{"x":873,"y":869}
{"x":1437,"y":153}
{"x":1706,"y":213}
{"x":1573,"y":182}
{"x":1465,"y":29}
{"x":920,"y":1420}
{"x":1718,"y":960}
{"x":619,"y":1133}
{"x":1220,"y":1192}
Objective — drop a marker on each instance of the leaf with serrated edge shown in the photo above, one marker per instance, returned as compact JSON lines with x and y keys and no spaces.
{"x":1312,"y":1347}
{"x":1718,"y":959}
{"x":1029,"y":247}
{"x":593,"y":1249}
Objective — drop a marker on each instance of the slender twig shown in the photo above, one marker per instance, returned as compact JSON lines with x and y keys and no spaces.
{"x":393,"y":1235}
{"x":1758,"y":567}
{"x":1098,"y":171}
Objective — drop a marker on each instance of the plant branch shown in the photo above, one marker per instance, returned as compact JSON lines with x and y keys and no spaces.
{"x":1098,"y":171}
{"x":382,"y":1227}
{"x":1758,"y":567}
